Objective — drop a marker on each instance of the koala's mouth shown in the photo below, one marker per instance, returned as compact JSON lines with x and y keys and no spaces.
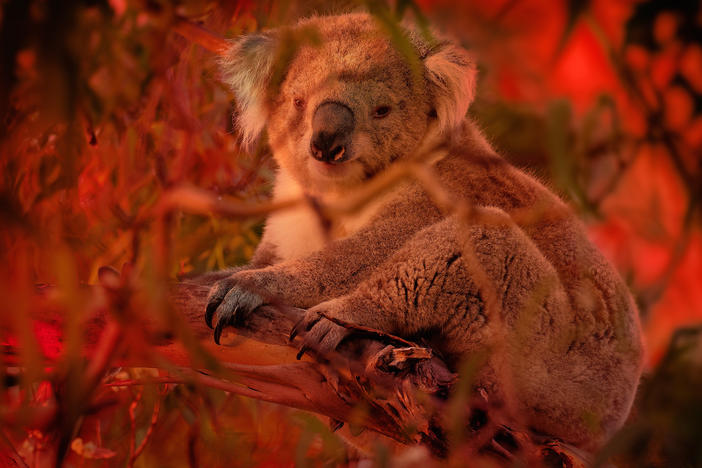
{"x":344,"y":172}
{"x":331,"y":169}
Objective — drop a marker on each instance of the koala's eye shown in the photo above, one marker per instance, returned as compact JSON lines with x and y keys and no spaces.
{"x":299,"y":103}
{"x":381,"y":111}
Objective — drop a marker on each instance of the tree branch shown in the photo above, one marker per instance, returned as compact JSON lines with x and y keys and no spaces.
{"x":404,"y":388}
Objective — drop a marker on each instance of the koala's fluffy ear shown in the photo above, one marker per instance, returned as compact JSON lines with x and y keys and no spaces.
{"x":451,"y":74}
{"x":247,"y":67}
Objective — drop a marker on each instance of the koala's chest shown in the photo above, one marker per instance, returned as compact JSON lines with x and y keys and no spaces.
{"x":299,"y":232}
{"x":295,"y":233}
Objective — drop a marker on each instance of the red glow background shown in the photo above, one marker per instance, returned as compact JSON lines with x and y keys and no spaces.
{"x":105,"y":108}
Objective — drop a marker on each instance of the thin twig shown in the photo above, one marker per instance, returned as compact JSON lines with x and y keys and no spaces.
{"x":622,"y":168}
{"x":370,"y":331}
{"x":103,"y":355}
{"x":132,"y":426}
{"x":9,"y":443}
{"x":149,"y":431}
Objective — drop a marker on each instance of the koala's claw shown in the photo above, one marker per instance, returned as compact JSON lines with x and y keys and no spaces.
{"x":217,"y":293}
{"x":228,"y":304}
{"x":320,"y":334}
{"x":209,"y":313}
{"x":304,"y":324}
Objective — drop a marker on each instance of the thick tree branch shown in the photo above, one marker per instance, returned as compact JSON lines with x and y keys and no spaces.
{"x":404,"y":389}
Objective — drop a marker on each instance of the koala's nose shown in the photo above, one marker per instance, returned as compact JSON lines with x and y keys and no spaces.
{"x":332,"y":128}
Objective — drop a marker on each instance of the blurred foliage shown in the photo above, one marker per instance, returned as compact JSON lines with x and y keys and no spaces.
{"x":105,"y":108}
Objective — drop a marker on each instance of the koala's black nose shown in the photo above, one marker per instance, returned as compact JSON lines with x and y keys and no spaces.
{"x":332,"y":128}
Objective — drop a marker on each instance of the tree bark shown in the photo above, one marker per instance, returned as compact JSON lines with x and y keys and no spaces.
{"x":379,"y":371}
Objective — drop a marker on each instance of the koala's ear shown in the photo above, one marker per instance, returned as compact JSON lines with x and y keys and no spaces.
{"x":247,"y":67}
{"x":451,"y":74}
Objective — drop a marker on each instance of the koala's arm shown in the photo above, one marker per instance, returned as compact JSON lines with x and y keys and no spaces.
{"x":469,"y":283}
{"x":329,"y":272}
{"x":341,"y":264}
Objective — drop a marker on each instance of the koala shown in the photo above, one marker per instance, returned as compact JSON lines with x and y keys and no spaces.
{"x":517,"y":282}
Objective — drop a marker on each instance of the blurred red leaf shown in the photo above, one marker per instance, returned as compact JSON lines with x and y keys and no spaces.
{"x":583,"y":70}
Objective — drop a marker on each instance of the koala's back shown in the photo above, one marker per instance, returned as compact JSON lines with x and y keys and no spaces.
{"x":591,"y":349}
{"x":601,"y":303}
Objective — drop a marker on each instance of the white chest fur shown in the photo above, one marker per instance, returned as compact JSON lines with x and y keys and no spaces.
{"x":299,"y":232}
{"x":296,"y":232}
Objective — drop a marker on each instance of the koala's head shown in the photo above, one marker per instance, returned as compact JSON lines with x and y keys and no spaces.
{"x":344,"y":104}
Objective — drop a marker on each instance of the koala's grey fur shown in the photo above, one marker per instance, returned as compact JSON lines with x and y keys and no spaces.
{"x":557,"y":324}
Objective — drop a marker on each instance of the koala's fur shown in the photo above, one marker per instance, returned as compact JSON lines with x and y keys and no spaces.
{"x":557,"y":324}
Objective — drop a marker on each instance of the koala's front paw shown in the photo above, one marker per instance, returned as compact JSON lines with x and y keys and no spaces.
{"x":229,"y":302}
{"x":319,"y":333}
